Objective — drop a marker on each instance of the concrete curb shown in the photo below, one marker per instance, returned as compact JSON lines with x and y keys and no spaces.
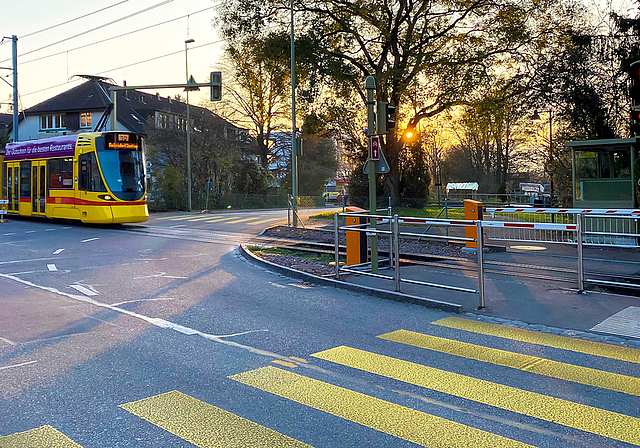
{"x":375,"y":292}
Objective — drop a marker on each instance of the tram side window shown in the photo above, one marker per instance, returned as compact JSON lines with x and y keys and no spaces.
{"x":60,"y":174}
{"x":90,"y":179}
{"x":25,"y":180}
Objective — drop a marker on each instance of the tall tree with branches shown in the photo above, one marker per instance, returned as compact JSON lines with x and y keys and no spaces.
{"x":443,"y":47}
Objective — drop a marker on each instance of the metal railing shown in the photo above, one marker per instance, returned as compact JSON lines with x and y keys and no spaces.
{"x":395,"y":235}
{"x":605,"y":227}
{"x":578,"y":235}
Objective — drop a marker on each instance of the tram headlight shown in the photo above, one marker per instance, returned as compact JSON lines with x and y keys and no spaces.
{"x":107,"y":197}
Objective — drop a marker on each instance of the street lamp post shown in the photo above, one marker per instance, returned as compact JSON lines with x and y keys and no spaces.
{"x":550,"y":165}
{"x":186,"y":64}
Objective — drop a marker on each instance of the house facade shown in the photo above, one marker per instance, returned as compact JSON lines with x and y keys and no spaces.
{"x":88,"y":107}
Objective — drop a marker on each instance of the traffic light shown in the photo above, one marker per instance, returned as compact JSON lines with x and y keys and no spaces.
{"x":634,"y":93}
{"x":635,"y":121}
{"x":384,"y":117}
{"x":216,"y":86}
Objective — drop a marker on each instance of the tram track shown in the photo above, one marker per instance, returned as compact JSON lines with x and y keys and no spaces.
{"x":541,"y":271}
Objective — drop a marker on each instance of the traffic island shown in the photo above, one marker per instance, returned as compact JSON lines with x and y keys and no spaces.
{"x":326,"y":281}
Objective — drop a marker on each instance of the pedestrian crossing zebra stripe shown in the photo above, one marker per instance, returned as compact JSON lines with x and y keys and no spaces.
{"x":396,"y":420}
{"x":43,"y":437}
{"x":549,"y":340}
{"x":205,"y":425}
{"x":541,"y":366}
{"x":575,"y":415}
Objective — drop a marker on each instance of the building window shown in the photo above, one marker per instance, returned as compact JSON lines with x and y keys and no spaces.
{"x":85,"y":120}
{"x":57,"y":121}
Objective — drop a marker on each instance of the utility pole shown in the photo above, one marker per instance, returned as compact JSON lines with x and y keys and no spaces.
{"x":14,"y":52}
{"x":370,"y":87}
{"x":294,"y":149}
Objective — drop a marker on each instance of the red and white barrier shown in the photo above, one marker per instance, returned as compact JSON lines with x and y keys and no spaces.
{"x":530,"y":225}
{"x":565,"y":211}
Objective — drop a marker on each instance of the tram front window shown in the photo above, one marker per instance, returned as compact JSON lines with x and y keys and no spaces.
{"x":123,"y":171}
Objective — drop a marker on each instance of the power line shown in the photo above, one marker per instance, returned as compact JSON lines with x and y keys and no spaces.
{"x":128,"y":65}
{"x":116,"y":37}
{"x":96,"y":28}
{"x":72,"y":20}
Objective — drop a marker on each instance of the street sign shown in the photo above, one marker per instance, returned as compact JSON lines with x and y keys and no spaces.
{"x":382,"y":167}
{"x":375,"y":148}
{"x":208,"y":186}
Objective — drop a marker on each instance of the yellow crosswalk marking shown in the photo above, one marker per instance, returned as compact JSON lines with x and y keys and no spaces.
{"x":207,"y":217}
{"x":221,"y":218}
{"x":42,"y":437}
{"x":585,"y":418}
{"x":181,"y":218}
{"x":533,"y":364}
{"x":243,"y":220}
{"x":550,"y":340}
{"x":399,"y":421}
{"x":264,"y":221}
{"x":205,"y":425}
{"x":175,"y":217}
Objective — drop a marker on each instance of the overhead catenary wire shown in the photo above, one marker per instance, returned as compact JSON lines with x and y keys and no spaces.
{"x":128,"y":65}
{"x":120,"y":19}
{"x":116,"y":37}
{"x":71,"y":20}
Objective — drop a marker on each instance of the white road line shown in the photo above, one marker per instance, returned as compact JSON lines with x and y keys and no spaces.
{"x":18,"y":365}
{"x":30,"y":231}
{"x":88,"y":240}
{"x":143,"y":300}
{"x":52,"y":267}
{"x":175,"y":227}
{"x":7,"y":341}
{"x":9,"y":234}
{"x":58,"y":251}
{"x":49,"y":230}
{"x":83,"y":290}
{"x":152,"y":320}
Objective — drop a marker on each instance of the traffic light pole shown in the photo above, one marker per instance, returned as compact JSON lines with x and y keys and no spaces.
{"x":370,"y":87}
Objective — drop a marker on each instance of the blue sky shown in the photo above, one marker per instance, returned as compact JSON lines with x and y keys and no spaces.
{"x":37,"y":71}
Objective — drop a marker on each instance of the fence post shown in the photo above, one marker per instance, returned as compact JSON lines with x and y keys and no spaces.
{"x":288,"y":210}
{"x":480,"y":241}
{"x":446,"y":216}
{"x":580,"y":253}
{"x":336,"y":226}
{"x":396,"y":250}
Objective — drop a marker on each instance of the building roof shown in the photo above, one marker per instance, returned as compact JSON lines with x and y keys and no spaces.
{"x":462,"y":186}
{"x":133,"y":107}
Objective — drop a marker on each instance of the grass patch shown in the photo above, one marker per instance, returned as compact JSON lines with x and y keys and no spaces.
{"x":324,"y":215}
{"x":428,"y":212}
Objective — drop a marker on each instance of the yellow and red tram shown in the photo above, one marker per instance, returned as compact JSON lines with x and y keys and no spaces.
{"x":94,"y":177}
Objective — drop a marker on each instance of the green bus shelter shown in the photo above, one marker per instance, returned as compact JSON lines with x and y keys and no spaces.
{"x":606,"y":173}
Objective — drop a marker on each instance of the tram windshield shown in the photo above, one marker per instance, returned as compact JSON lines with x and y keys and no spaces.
{"x":122,"y":166}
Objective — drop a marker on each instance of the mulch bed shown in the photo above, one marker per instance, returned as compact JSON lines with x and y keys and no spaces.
{"x":321,"y":236}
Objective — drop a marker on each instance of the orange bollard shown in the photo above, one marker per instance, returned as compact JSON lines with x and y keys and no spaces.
{"x":357,"y":248}
{"x":472,"y":210}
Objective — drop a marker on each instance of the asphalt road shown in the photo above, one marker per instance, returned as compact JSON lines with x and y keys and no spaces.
{"x":156,"y":335}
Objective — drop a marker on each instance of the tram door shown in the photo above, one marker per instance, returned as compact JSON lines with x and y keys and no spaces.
{"x":13,"y":186}
{"x":38,"y":187}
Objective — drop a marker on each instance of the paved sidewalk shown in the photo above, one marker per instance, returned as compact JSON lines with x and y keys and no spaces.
{"x":541,"y":304}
